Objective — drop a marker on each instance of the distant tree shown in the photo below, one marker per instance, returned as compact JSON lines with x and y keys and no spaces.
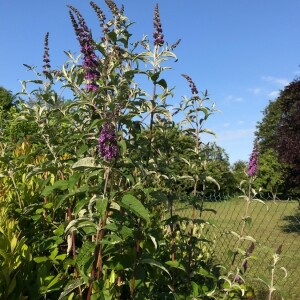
{"x":218,"y":167}
{"x":288,"y":132}
{"x":270,"y":175}
{"x":280,"y":130}
{"x":6,"y":99}
{"x":6,"y":104}
{"x":239,"y":172}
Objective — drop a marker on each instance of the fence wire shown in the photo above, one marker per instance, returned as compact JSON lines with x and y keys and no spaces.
{"x":272,"y":224}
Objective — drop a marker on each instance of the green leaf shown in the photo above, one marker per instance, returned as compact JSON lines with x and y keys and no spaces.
{"x":53,"y":254}
{"x":154,"y":76}
{"x":86,"y":162}
{"x":210,"y":209}
{"x":162,"y":83}
{"x":60,"y":185}
{"x":195,"y":287}
{"x":48,"y":205}
{"x":248,"y":220}
{"x":101,"y":205}
{"x":80,"y":223}
{"x":71,"y":287}
{"x":85,"y":255}
{"x":176,"y":264}
{"x":155,"y":263}
{"x":82,"y":149}
{"x":40,"y":259}
{"x":235,"y":234}
{"x":11,"y":287}
{"x":122,"y":144}
{"x":54,"y":281}
{"x":133,"y":204}
{"x":249,"y":238}
{"x":126,"y":232}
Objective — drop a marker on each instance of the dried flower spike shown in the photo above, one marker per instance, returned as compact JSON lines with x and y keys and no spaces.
{"x":191,"y":84}
{"x":112,"y":6}
{"x":158,"y":32}
{"x":46,"y":60}
{"x":99,"y":13}
{"x":253,"y":162}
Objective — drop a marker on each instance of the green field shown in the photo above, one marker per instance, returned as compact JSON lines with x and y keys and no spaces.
{"x":273,"y":224}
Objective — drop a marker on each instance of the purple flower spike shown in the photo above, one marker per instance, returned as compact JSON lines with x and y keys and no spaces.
{"x":107,"y":144}
{"x":253,"y":162}
{"x":90,"y":62}
{"x":158,"y":33}
{"x":191,"y":84}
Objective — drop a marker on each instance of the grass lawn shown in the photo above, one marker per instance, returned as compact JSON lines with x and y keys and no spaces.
{"x":273,"y":224}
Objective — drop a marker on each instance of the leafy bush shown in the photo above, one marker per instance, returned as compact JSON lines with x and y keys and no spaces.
{"x":90,"y":185}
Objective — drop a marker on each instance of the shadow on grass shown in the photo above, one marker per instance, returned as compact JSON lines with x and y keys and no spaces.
{"x":293,"y":223}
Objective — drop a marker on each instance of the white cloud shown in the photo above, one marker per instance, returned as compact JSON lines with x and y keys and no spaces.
{"x":274,"y":80}
{"x":226,"y":124}
{"x":239,"y":99}
{"x":241,"y":122}
{"x":273,"y":94}
{"x":231,"y":98}
{"x":255,"y":91}
{"x":234,"y":135}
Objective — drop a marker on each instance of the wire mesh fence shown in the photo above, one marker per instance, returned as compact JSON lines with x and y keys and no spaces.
{"x":272,"y":224}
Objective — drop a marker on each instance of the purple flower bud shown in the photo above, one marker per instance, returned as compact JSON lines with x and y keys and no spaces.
{"x":107,"y":144}
{"x":253,"y":162}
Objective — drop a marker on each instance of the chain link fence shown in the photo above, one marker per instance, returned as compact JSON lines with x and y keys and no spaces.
{"x":272,"y":224}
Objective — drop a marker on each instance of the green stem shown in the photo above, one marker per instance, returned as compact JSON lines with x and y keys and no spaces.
{"x":97,"y":264}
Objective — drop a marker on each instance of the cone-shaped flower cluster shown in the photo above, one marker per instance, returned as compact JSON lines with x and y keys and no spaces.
{"x":107,"y":144}
{"x":46,"y":60}
{"x":253,"y":162}
{"x":112,"y":6}
{"x":158,"y":33}
{"x":191,"y":84}
{"x":99,"y":12}
{"x":90,"y":62}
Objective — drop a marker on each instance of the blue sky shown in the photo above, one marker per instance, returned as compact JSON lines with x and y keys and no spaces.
{"x":242,"y":52}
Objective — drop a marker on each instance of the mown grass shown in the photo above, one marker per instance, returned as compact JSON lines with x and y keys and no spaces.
{"x":273,"y":224}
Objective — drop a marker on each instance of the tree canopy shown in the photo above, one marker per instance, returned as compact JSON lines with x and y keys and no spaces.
{"x":6,"y":99}
{"x":280,"y":130}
